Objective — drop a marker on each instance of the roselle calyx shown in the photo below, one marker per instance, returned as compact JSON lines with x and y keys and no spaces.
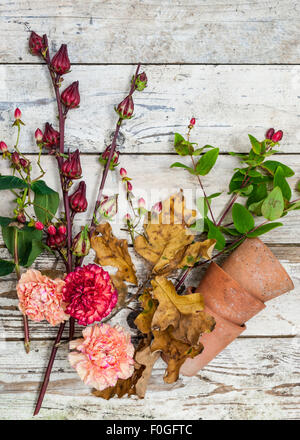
{"x":125,"y":108}
{"x":51,"y":137}
{"x":105,"y":155}
{"x":81,"y":243}
{"x":70,"y":96}
{"x":71,"y":168}
{"x":36,"y":44}
{"x":60,"y":63}
{"x":141,"y":81}
{"x":108,"y":207}
{"x":77,"y":200}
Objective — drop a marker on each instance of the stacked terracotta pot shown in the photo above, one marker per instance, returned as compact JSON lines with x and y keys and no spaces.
{"x":233,"y":294}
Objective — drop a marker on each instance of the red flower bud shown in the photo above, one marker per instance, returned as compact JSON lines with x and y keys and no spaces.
{"x":62,"y":229}
{"x":21,"y":217}
{"x":157,"y":208}
{"x":105,"y":155}
{"x":141,"y":81}
{"x":71,"y":167}
{"x":141,"y":203}
{"x":123,"y":172}
{"x":60,"y":63}
{"x":81,"y":243}
{"x":129,"y":186}
{"x":70,"y":96}
{"x":50,"y":137}
{"x":277,"y":136}
{"x":56,"y":241}
{"x":193,"y":121}
{"x":15,"y":158}
{"x":77,"y":200}
{"x":125,"y":108}
{"x":51,"y":230}
{"x":39,"y":225}
{"x":3,"y":147}
{"x":36,"y":43}
{"x":38,"y":135}
{"x":18,"y":113}
{"x":127,"y":218}
{"x":24,"y":163}
{"x":270,"y":133}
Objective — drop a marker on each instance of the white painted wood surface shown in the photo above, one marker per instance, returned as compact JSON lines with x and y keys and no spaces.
{"x":257,"y":377}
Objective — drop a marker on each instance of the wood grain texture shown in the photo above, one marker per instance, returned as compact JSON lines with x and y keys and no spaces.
{"x":185,"y":31}
{"x":228,"y":102}
{"x":255,"y":378}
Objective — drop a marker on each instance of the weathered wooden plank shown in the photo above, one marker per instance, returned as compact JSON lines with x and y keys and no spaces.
{"x":185,"y":31}
{"x":281,"y":316}
{"x":154,"y":180}
{"x":228,"y":101}
{"x":251,"y":379}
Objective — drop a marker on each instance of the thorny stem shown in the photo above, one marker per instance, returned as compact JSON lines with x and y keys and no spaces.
{"x":17,"y":269}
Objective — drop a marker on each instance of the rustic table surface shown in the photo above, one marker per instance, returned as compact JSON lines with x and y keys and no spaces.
{"x":235,"y":66}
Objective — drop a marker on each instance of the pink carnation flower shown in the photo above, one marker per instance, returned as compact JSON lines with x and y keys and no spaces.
{"x":104,"y":355}
{"x":40,"y":297}
{"x":89,"y":293}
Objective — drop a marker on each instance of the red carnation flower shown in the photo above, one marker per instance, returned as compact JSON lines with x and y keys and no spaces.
{"x":89,"y":293}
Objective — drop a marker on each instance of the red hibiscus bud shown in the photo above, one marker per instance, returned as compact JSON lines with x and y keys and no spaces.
{"x":62,"y":229}
{"x":141,"y":81}
{"x":81,"y":243}
{"x":70,"y":96}
{"x":51,"y":230}
{"x":104,"y":158}
{"x":50,"y":137}
{"x":36,"y":44}
{"x":270,"y":133}
{"x":60,"y":63}
{"x":38,"y":136}
{"x":21,"y":217}
{"x":17,"y":114}
{"x":277,"y":136}
{"x":71,"y":168}
{"x":77,"y":200}
{"x":123,"y":172}
{"x":39,"y":226}
{"x":125,"y":108}
{"x":129,"y":186}
{"x":3,"y":147}
{"x":15,"y":159}
{"x":157,"y":208}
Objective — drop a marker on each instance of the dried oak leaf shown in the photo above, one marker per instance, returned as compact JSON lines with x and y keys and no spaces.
{"x":111,"y":251}
{"x":174,"y":352}
{"x":146,"y":358}
{"x":167,"y":244}
{"x":144,"y":319}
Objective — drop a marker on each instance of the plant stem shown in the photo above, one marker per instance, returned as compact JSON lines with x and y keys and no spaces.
{"x":232,"y":200}
{"x":204,"y":193}
{"x":49,"y":368}
{"x":17,"y":269}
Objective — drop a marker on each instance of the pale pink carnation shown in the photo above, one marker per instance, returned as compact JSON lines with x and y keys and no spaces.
{"x":104,"y":355}
{"x":40,"y":297}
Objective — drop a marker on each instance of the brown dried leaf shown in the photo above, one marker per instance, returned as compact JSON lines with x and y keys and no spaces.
{"x":122,"y":289}
{"x":111,"y":251}
{"x":169,"y":241}
{"x":147,"y":358}
{"x":144,"y":319}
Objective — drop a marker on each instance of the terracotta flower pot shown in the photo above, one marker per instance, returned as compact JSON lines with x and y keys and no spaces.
{"x":256,"y":268}
{"x":223,"y":334}
{"x":226,"y":297}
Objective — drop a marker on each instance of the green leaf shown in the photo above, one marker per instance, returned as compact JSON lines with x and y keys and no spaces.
{"x":272,"y":165}
{"x":279,"y":180}
{"x":293,"y":206}
{"x":256,"y":207}
{"x":242,"y":218}
{"x":207,"y":161}
{"x":182,"y":147}
{"x":259,"y":193}
{"x":45,"y":206}
{"x":5,"y":221}
{"x":298,"y":186}
{"x":263,"y":229}
{"x":256,"y":145}
{"x":231,"y":231}
{"x":6,"y":267}
{"x":273,"y":205}
{"x":26,"y":237}
{"x":202,"y":206}
{"x":40,"y":187}
{"x":215,"y":232}
{"x":36,"y":249}
{"x":12,"y":182}
{"x":178,"y":139}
